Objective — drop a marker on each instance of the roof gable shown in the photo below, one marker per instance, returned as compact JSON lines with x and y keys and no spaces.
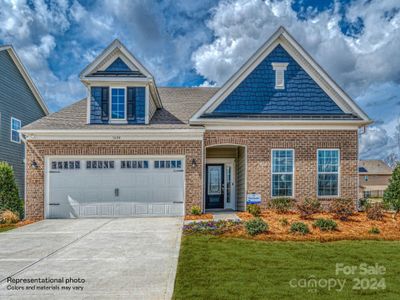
{"x":26,"y":76}
{"x":257,"y":94}
{"x":334,"y":100}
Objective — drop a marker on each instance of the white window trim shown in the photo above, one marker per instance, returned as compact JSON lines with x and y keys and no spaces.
{"x":290,"y":173}
{"x":338,"y":173}
{"x":279,"y":67}
{"x":114,"y":120}
{"x":11,"y":130}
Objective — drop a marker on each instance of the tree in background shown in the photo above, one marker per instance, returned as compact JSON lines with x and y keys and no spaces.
{"x":391,"y":197}
{"x":9,"y":198}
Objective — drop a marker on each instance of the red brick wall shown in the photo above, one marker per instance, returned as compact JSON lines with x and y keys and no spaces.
{"x":305,"y":143}
{"x":37,"y":150}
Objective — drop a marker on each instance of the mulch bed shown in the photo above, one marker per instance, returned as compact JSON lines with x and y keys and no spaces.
{"x":19,"y":224}
{"x":199,"y":217}
{"x":356,"y":228}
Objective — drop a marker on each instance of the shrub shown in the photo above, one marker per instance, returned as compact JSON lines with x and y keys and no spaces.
{"x":8,"y":217}
{"x":256,"y":226}
{"x":308,"y":207}
{"x":391,"y":197}
{"x":374,"y":230}
{"x":281,"y":205}
{"x":342,"y":208}
{"x":375,"y":211}
{"x":362,"y":204}
{"x":254,"y":209}
{"x":211,"y":227}
{"x":299,"y":227}
{"x":196,"y":210}
{"x":325,"y":224}
{"x":284,"y":222}
{"x":9,"y":198}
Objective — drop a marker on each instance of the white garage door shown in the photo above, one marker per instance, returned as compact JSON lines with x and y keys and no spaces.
{"x":110,"y":187}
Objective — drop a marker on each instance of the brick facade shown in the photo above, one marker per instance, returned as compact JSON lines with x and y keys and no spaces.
{"x":258,"y":147}
{"x":305,"y":145}
{"x":37,"y":150}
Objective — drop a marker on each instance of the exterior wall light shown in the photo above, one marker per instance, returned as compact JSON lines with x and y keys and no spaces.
{"x":34,"y":165}
{"x":194,"y":163}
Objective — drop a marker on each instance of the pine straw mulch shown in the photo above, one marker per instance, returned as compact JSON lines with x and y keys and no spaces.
{"x":199,"y":217}
{"x":356,"y":228}
{"x":19,"y":224}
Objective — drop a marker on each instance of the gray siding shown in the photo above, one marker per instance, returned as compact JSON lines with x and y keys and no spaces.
{"x":16,"y":100}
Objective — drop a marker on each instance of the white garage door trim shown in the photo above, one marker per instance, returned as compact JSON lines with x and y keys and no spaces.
{"x":48,"y":160}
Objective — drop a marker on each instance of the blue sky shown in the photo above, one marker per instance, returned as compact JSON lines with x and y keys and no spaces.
{"x":192,"y":42}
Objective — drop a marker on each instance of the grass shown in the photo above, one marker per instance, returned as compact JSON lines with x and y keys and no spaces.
{"x":6,"y":228}
{"x":229,"y":268}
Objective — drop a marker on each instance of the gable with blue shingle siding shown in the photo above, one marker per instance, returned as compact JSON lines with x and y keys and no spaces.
{"x":256,"y":94}
{"x":118,"y":65}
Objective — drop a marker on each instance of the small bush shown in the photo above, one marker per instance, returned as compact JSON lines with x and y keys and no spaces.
{"x":9,"y":198}
{"x":375,"y":211}
{"x":342,"y":208}
{"x":254,"y":209}
{"x":284,"y":222}
{"x":325,"y":224}
{"x":374,"y":230}
{"x":256,"y":226}
{"x":309,"y":207}
{"x":299,"y":227}
{"x":211,"y":227}
{"x":281,"y":205}
{"x":362,"y":204}
{"x":195,"y":210}
{"x":8,"y":217}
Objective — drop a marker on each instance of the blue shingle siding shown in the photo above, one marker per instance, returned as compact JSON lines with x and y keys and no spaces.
{"x":256,"y":94}
{"x":96,"y":108}
{"x":18,"y":101}
{"x":118,"y":65}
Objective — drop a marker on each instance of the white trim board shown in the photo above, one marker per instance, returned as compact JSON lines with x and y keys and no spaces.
{"x":283,"y":38}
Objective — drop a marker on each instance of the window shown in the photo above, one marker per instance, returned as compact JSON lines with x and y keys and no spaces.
{"x":118,"y":105}
{"x":100,"y":164}
{"x":366,"y":178}
{"x":66,"y":165}
{"x":279,"y":69}
{"x":282,"y":173}
{"x":15,"y":126}
{"x":328,"y":172}
{"x":134,"y":164}
{"x":168,"y":164}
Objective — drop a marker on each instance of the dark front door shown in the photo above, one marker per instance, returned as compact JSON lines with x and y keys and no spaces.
{"x":215,"y":186}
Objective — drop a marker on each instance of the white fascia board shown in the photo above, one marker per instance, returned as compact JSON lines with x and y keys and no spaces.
{"x":127,"y":134}
{"x":282,"y":37}
{"x":28,"y":79}
{"x":103,"y":80}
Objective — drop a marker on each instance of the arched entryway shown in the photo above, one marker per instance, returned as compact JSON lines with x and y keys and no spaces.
{"x":225,"y":177}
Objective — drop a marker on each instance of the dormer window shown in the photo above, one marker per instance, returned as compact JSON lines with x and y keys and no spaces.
{"x":279,"y":69}
{"x":118,"y":104}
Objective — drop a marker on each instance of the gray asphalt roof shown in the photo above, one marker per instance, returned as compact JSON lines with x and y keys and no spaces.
{"x":374,"y":167}
{"x":179,"y":104}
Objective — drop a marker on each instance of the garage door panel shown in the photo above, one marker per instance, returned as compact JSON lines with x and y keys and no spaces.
{"x":115,"y":192}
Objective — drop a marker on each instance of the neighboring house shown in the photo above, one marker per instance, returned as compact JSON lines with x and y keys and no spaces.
{"x":20,"y":104}
{"x":279,"y":127}
{"x":374,"y":178}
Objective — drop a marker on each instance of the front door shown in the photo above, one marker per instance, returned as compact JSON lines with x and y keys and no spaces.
{"x":215,"y":186}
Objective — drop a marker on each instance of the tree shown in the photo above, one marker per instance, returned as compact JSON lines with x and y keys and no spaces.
{"x":9,"y":198}
{"x":391,"y":197}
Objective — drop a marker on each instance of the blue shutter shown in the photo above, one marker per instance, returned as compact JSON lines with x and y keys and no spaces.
{"x":131,"y":99}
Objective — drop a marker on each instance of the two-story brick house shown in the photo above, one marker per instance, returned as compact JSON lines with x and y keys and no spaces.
{"x":279,"y":127}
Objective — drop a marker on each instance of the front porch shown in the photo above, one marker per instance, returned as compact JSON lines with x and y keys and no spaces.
{"x":225,"y":178}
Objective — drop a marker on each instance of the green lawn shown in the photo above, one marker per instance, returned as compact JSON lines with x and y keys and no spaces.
{"x":6,"y":228}
{"x":224,"y":268}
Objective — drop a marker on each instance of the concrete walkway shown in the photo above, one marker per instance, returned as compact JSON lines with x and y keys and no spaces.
{"x":132,"y":258}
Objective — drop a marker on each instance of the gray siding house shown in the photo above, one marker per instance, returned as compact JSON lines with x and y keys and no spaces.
{"x":20,"y":104}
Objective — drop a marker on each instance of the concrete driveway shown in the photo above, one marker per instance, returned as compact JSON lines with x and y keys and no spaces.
{"x":132,"y":258}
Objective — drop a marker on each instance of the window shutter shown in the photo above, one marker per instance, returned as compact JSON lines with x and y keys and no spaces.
{"x":131,"y":103}
{"x":105,"y":98}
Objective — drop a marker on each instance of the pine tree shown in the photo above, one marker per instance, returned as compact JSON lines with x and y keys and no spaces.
{"x":391,"y":197}
{"x":9,"y":198}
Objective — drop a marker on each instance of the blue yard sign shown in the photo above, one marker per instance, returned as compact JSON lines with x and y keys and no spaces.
{"x":253,"y":198}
